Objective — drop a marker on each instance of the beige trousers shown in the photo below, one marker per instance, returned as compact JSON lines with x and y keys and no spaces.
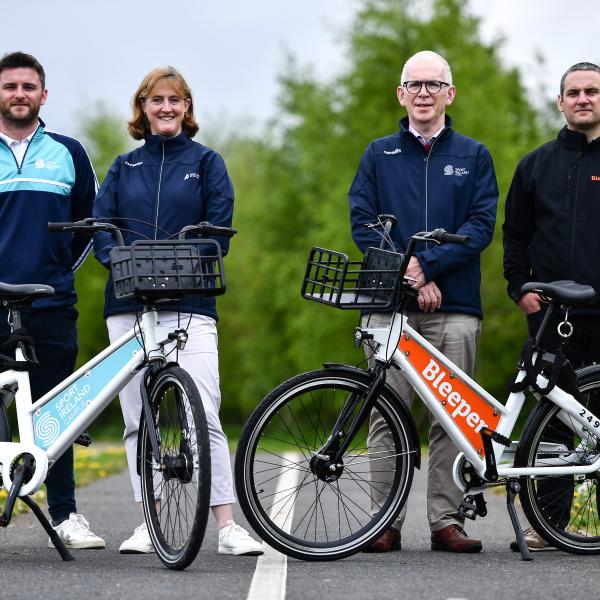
{"x":455,"y":335}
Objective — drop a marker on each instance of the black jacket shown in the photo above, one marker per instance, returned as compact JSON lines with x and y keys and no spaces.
{"x":552,"y":223}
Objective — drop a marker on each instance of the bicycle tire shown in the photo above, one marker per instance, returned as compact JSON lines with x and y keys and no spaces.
{"x":177,"y":522}
{"x":341,"y":515}
{"x":564,"y":510}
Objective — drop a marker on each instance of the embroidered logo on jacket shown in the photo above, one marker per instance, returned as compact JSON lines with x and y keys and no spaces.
{"x":394,"y":151}
{"x":457,"y":171}
{"x":595,"y":178}
{"x":137,"y":164}
{"x":194,"y":175}
{"x":51,"y":165}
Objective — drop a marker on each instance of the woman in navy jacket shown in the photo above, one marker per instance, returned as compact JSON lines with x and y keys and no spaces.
{"x":154,"y":191}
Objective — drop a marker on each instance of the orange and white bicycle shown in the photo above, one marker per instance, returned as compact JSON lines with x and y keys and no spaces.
{"x":307,"y":472}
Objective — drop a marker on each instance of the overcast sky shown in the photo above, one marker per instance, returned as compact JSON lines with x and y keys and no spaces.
{"x":231,"y":51}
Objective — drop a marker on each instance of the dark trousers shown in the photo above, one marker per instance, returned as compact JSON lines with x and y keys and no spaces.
{"x":55,"y":335}
{"x":582,"y":348}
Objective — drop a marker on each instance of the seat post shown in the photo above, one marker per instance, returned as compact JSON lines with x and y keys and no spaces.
{"x":540,"y":334}
{"x":14,"y":318}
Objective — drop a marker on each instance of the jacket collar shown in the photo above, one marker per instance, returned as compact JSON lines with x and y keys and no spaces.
{"x":575,"y":139}
{"x":37,"y":133}
{"x":447,"y":125}
{"x":155,"y":142}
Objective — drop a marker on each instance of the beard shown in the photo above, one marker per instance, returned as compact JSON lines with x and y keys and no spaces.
{"x":23,"y":120}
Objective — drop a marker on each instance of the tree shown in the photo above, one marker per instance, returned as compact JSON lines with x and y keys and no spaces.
{"x":293,"y":190}
{"x":104,"y":137}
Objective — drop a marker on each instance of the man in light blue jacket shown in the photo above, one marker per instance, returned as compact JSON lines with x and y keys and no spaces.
{"x":44,"y":177}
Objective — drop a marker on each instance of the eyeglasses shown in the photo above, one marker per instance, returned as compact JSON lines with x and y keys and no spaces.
{"x":433,"y":87}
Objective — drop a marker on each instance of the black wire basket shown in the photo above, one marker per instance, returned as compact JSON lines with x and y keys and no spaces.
{"x":155,"y":269}
{"x":371,"y":283}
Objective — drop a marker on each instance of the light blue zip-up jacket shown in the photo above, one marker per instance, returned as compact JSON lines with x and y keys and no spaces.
{"x":54,"y":182}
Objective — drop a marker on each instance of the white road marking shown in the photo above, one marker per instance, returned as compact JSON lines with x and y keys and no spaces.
{"x":270,"y":576}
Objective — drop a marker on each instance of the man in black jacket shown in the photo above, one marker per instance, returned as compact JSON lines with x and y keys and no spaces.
{"x":552,"y":226}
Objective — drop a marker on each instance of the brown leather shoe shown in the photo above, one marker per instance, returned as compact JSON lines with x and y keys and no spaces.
{"x":454,"y":539}
{"x":389,"y":541}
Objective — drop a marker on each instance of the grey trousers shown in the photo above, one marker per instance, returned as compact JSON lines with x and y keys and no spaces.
{"x":456,"y":336}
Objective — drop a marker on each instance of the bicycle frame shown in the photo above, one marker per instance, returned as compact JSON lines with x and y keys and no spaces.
{"x":463,"y":407}
{"x":51,"y":424}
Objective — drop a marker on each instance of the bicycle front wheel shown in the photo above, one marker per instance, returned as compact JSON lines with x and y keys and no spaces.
{"x":295,"y":504}
{"x":563,"y":509}
{"x":176,"y":487}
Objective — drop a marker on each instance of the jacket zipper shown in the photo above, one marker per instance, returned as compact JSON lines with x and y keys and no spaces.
{"x":427,"y":186}
{"x":575,"y":195}
{"x":20,"y":166}
{"x":162,"y":162}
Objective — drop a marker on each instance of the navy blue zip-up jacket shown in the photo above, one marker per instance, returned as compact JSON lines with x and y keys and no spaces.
{"x":54,"y":182}
{"x":454,"y":187}
{"x":168,"y":183}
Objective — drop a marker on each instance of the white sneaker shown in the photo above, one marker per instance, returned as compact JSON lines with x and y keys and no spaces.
{"x":75,"y":532}
{"x":235,"y":540}
{"x":138,"y":543}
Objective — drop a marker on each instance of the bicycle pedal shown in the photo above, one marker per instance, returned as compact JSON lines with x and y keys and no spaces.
{"x":84,"y":439}
{"x":472,"y":507}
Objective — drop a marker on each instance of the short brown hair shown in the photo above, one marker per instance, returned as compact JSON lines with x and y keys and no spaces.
{"x":138,"y":127}
{"x":582,"y":66}
{"x":20,"y":60}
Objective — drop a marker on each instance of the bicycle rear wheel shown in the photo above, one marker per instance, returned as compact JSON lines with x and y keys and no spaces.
{"x":564,"y":510}
{"x":176,"y":489}
{"x":295,"y":504}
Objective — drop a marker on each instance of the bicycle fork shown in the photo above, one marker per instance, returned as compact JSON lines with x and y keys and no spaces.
{"x":327,"y":463}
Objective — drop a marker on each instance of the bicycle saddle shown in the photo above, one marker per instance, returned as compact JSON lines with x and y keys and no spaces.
{"x":564,"y":292}
{"x":23,"y":294}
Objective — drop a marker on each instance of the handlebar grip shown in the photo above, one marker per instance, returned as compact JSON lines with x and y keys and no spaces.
{"x":453,"y":238}
{"x":205,"y":228}
{"x":53,"y":227}
{"x":224,"y":231}
{"x":443,"y":237}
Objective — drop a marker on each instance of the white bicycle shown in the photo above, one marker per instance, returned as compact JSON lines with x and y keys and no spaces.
{"x":306,"y":471}
{"x":173,"y":446}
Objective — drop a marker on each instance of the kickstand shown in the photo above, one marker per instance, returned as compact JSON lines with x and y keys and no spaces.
{"x":21,"y":471}
{"x":54,"y":537}
{"x":15,"y":488}
{"x":513,"y":487}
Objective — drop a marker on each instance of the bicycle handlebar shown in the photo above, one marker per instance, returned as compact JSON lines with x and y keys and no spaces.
{"x":91,"y":225}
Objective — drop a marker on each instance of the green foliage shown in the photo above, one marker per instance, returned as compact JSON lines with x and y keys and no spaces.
{"x":292,"y":192}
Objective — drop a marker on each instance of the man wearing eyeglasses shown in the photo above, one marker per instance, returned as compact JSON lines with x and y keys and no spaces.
{"x":429,"y":176}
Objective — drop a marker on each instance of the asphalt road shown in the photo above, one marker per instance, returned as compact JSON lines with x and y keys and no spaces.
{"x":29,"y":569}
